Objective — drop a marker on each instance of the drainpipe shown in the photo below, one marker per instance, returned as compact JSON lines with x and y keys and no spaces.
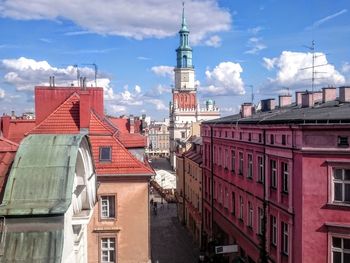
{"x":184,"y":190}
{"x":211,"y":183}
{"x":263,"y":252}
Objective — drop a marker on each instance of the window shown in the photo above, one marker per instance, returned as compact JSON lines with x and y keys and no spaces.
{"x":284,"y":171}
{"x":250,"y":214}
{"x":273,"y":174}
{"x":343,"y":141}
{"x":340,"y":250}
{"x":107,"y":206}
{"x":250,"y":166}
{"x":215,"y":191}
{"x":240,"y":135}
{"x":108,"y":250}
{"x":233,"y":134}
{"x":226,"y":158}
{"x":233,"y":160}
{"x":260,"y":137}
{"x":240,"y":168}
{"x":260,"y":220}
{"x":273,"y":225}
{"x":341,"y":185}
{"x":220,"y":194}
{"x":260,"y":169}
{"x":249,"y":137}
{"x":272,"y":139}
{"x":241,"y":206}
{"x":226,"y":198}
{"x":284,"y":229}
{"x":220,"y":157}
{"x":233,"y":203}
{"x":284,"y":140}
{"x":183,"y":135}
{"x":105,"y":153}
{"x":226,"y":134}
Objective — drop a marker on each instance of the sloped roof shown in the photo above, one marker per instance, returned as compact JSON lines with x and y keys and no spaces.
{"x":42,"y":174}
{"x":122,"y":163}
{"x":18,"y":129}
{"x":33,"y":240}
{"x":132,"y":140}
{"x":65,"y":119}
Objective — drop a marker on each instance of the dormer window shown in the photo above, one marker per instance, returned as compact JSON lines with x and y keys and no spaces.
{"x":105,"y":154}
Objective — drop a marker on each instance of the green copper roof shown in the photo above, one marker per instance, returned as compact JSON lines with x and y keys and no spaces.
{"x":183,"y":24}
{"x":42,"y":174}
{"x":38,"y":240}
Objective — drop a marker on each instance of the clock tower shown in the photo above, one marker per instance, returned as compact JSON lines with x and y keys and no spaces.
{"x":184,"y":111}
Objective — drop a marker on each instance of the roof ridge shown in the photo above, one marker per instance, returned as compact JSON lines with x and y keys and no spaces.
{"x":74,"y":94}
{"x":8,"y":141}
{"x":113,"y":129}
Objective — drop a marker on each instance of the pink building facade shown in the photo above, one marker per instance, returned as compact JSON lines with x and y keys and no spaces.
{"x":276,"y":182}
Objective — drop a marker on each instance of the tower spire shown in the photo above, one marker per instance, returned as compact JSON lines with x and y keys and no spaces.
{"x":183,"y":15}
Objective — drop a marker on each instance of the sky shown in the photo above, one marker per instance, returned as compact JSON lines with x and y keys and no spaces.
{"x":240,"y":48}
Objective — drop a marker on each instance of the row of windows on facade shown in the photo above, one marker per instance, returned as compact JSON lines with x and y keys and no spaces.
{"x":282,"y":139}
{"x":193,"y":171}
{"x":226,"y":162}
{"x":260,"y":223}
{"x":192,"y":196}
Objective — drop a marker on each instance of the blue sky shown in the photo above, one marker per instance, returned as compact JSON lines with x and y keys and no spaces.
{"x":237,"y":46}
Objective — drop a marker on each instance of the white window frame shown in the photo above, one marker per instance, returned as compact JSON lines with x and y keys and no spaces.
{"x":241,"y":207}
{"x":285,"y":238}
{"x":260,"y":220}
{"x":261,"y":169}
{"x":110,"y":248}
{"x":105,"y":207}
{"x":273,"y":230}
{"x":343,"y":183}
{"x":250,"y":214}
{"x":250,"y":166}
{"x":341,"y":250}
{"x":285,"y":176}
{"x":273,"y":173}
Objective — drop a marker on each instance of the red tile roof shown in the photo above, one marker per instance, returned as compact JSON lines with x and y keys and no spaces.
{"x":65,"y":119}
{"x":7,"y":154}
{"x":18,"y":129}
{"x":122,"y":163}
{"x":121,"y":123}
{"x":133,"y":140}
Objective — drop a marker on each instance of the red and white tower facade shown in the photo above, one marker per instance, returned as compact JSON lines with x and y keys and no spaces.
{"x":185,"y":108}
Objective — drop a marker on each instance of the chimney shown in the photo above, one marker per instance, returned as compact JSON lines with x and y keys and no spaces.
{"x":284,"y":100}
{"x":298,"y":97}
{"x":246,"y":110}
{"x":84,"y":110}
{"x":317,"y":96}
{"x":53,"y":81}
{"x":307,"y":100}
{"x":344,"y":94}
{"x":5,"y":125}
{"x":132,"y":124}
{"x":13,"y":115}
{"x":329,"y":94}
{"x":268,"y":104}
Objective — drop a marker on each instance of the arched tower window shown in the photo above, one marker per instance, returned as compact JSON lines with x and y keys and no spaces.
{"x":184,"y":61}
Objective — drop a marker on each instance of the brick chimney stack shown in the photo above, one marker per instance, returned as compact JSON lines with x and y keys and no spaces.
{"x":329,"y":94}
{"x":246,"y":110}
{"x":284,"y":100}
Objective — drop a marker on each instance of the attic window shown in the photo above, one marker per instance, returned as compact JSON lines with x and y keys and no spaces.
{"x":343,"y":141}
{"x":105,"y":153}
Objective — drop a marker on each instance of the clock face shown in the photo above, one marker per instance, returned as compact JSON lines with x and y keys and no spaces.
{"x":185,"y":77}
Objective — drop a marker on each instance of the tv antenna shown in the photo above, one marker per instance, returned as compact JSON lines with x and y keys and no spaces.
{"x":313,"y":66}
{"x":252,"y":92}
{"x":95,"y":68}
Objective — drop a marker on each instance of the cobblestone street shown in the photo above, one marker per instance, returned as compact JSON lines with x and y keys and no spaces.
{"x":170,"y":241}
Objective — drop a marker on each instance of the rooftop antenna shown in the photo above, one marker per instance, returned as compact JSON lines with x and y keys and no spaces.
{"x":252,"y":92}
{"x":95,"y":68}
{"x":314,"y":72}
{"x":78,"y":73}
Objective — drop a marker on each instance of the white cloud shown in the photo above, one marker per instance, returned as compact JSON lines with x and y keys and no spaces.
{"x":158,"y":103}
{"x":290,"y":73}
{"x":224,"y":79}
{"x":2,"y":93}
{"x":118,"y":109}
{"x":163,"y":71}
{"x":255,"y":45}
{"x":137,"y":89}
{"x":213,"y":41}
{"x":24,"y":74}
{"x":325,"y":19}
{"x":255,"y":30}
{"x":346,"y":67}
{"x":136,"y":19}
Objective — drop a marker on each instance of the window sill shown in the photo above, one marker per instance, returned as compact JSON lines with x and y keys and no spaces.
{"x":285,"y":192}
{"x":342,"y":206}
{"x":284,"y":254}
{"x":273,"y":188}
{"x":250,"y":178}
{"x":260,"y":182}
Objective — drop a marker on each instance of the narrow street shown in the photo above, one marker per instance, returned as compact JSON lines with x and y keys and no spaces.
{"x":170,"y":241}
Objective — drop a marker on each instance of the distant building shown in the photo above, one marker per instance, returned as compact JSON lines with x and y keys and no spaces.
{"x":184,"y":108}
{"x":158,"y":139}
{"x":189,"y":189}
{"x":276,"y":181}
{"x":48,"y":201}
